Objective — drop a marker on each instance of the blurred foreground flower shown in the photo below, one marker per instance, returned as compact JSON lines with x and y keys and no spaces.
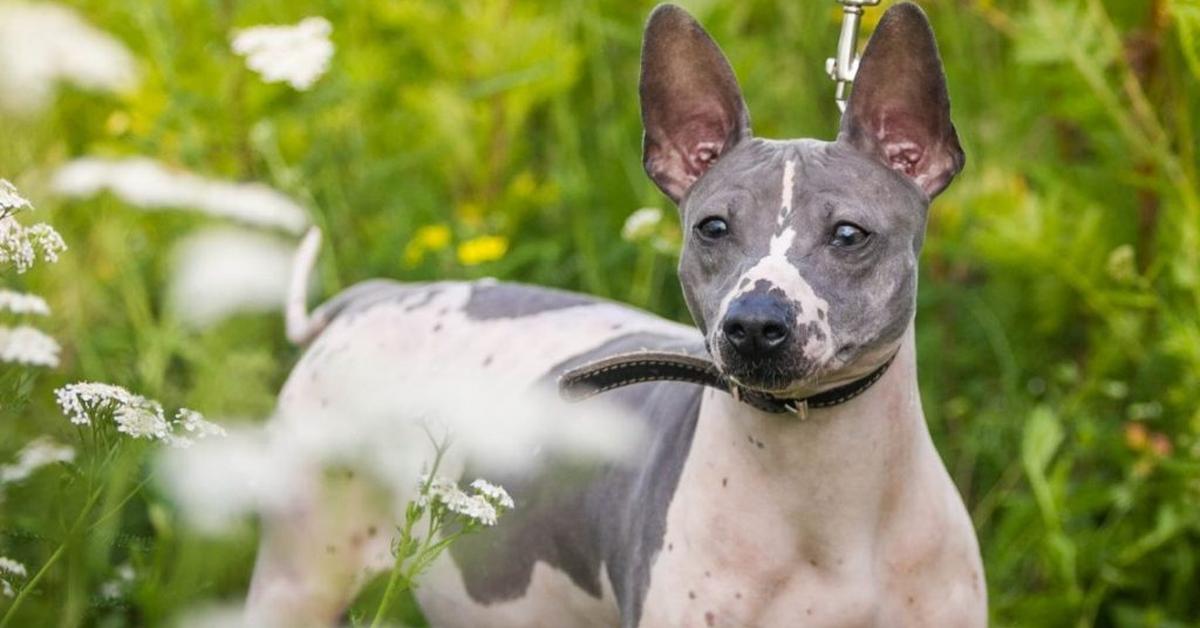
{"x":641,"y":224}
{"x":297,"y":54}
{"x":40,"y":452}
{"x":482,"y":249}
{"x":145,"y":183}
{"x":496,"y":427}
{"x":44,"y":43}
{"x":23,"y":303}
{"x":90,"y":403}
{"x":220,"y":272}
{"x":25,"y":345}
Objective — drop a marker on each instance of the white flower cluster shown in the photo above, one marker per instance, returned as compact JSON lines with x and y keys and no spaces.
{"x":297,"y":54}
{"x":23,"y":303}
{"x":493,"y":493}
{"x":26,"y":345}
{"x":148,"y":184}
{"x":134,"y":415}
{"x":10,"y":200}
{"x":10,"y":569}
{"x":483,"y":506}
{"x":20,"y":245}
{"x":44,"y":43}
{"x":38,"y":453}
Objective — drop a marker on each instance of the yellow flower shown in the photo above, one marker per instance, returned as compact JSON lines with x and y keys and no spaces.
{"x":488,"y":248}
{"x":427,"y":239}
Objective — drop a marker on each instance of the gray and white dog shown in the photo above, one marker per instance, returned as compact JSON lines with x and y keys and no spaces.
{"x":799,"y":266}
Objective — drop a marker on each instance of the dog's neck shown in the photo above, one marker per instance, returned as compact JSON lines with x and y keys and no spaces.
{"x":829,"y":482}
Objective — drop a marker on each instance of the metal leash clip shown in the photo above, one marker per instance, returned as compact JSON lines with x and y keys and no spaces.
{"x":844,"y":66}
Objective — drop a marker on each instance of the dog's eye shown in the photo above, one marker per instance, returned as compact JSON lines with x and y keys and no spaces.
{"x":848,"y":235}
{"x":712,"y":228}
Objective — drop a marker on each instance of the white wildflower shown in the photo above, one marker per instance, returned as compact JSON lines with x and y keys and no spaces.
{"x":298,"y":54}
{"x":44,"y":43}
{"x":25,"y":345}
{"x":11,"y":201}
{"x":641,"y":224}
{"x":220,"y":272}
{"x":493,"y":493}
{"x":142,"y":419}
{"x":495,"y":423}
{"x":445,"y":492}
{"x":20,"y":245}
{"x":195,"y":426}
{"x":23,"y":303}
{"x":12,"y":568}
{"x":80,"y":399}
{"x":38,"y":453}
{"x":133,"y":414}
{"x":148,"y":184}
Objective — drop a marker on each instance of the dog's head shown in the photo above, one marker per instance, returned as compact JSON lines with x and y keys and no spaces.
{"x":799,"y":261}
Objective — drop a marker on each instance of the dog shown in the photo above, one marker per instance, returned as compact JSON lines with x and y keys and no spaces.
{"x":785,"y":475}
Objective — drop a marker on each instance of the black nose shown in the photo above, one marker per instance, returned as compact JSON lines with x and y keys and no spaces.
{"x":756,"y":325}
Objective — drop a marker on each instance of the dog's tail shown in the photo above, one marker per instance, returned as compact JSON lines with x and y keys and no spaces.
{"x":301,"y":327}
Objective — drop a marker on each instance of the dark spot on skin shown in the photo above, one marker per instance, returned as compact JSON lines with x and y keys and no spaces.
{"x":594,"y":524}
{"x":691,"y":595}
{"x":443,"y":311}
{"x":724,"y":482}
{"x":709,"y":619}
{"x":492,"y":301}
{"x":329,"y":549}
{"x":426,"y":297}
{"x":616,"y":327}
{"x":324,"y":403}
{"x":437,"y":328}
{"x":812,"y":561}
{"x":670,"y":547}
{"x":808,"y":611}
{"x":487,"y":361}
{"x":910,"y":600}
{"x":738,"y":595}
{"x":707,"y":574}
{"x":759,"y":444}
{"x":372,"y":531}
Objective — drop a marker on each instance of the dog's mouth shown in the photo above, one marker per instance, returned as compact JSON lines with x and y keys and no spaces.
{"x":775,"y":377}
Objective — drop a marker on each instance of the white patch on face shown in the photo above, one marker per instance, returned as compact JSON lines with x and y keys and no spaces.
{"x":776,"y":269}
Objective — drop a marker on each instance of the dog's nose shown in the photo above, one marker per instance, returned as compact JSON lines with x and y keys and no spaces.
{"x":756,"y":325}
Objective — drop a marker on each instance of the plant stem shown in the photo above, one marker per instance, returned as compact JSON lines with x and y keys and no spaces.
{"x":12,"y":610}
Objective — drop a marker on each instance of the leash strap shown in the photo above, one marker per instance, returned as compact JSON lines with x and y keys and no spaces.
{"x":593,"y":378}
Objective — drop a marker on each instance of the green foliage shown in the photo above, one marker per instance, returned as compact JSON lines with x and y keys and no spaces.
{"x":1059,"y":318}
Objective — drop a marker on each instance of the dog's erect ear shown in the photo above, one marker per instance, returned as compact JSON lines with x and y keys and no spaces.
{"x":692,"y":109}
{"x":899,"y":109}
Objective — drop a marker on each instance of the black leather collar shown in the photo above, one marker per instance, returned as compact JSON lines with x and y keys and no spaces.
{"x":624,"y":369}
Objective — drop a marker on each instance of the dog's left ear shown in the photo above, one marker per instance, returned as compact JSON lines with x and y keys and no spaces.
{"x":692,"y":108}
{"x":899,"y":108}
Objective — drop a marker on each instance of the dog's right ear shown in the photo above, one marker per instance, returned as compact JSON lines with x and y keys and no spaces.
{"x":692,"y":108}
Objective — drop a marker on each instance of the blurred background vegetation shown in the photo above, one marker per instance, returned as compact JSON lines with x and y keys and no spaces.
{"x":1059,"y":318}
